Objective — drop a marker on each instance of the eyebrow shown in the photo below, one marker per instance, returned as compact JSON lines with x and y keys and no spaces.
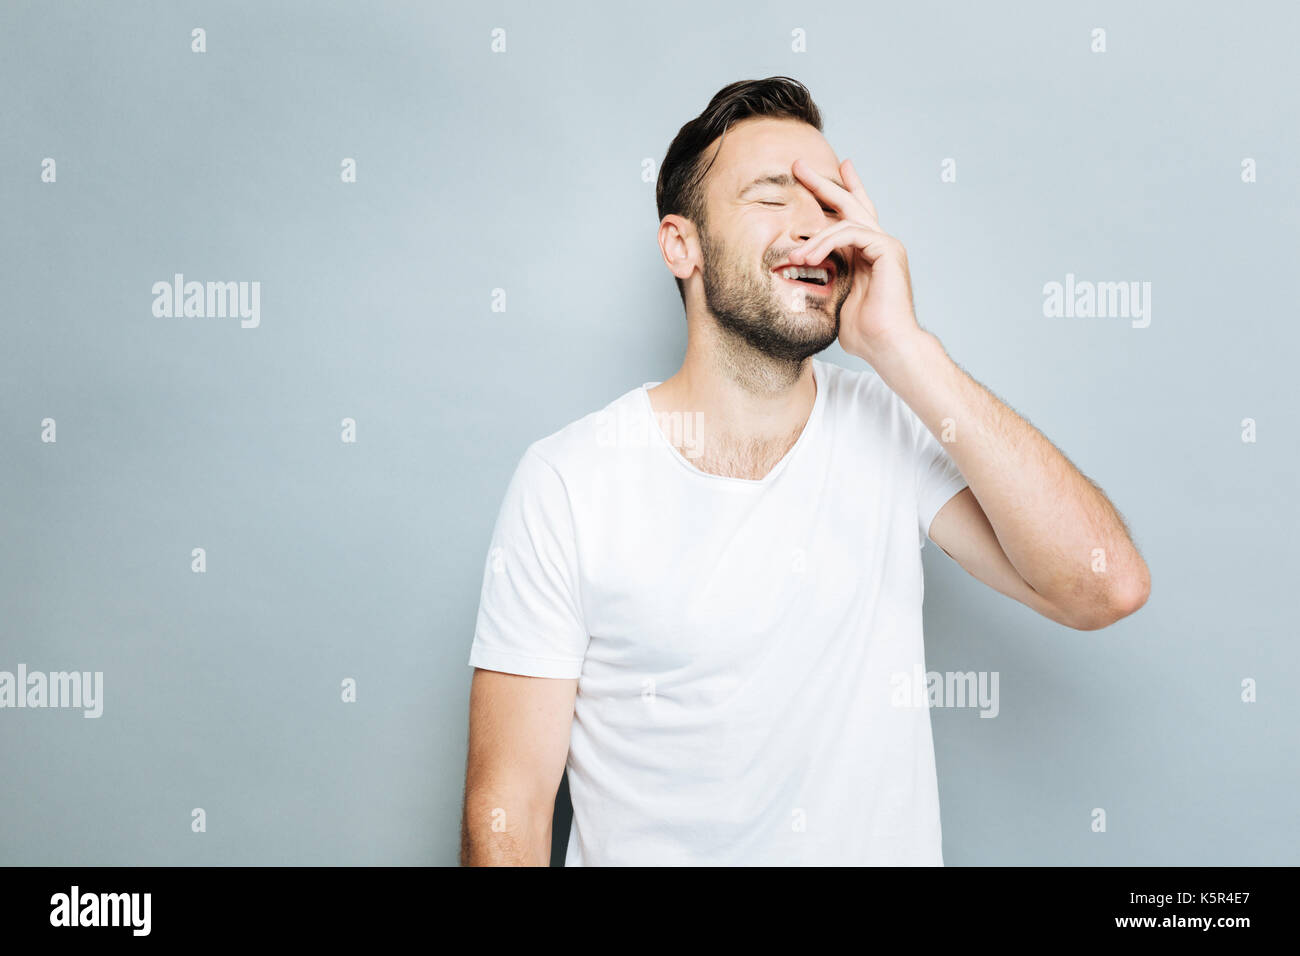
{"x":785,"y":180}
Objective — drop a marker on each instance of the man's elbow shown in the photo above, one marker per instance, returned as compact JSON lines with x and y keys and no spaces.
{"x":1124,"y":600}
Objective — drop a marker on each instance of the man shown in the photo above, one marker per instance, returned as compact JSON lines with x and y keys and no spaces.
{"x":701,"y":597}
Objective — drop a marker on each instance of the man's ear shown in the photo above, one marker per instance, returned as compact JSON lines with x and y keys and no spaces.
{"x":679,"y":243}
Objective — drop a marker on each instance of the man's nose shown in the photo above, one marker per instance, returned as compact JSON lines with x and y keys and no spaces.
{"x":810,"y":218}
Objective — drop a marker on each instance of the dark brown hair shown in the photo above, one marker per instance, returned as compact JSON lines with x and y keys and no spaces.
{"x":680,"y":189}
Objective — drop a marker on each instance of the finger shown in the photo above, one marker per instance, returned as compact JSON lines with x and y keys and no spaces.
{"x":844,"y":235}
{"x":802,"y":253}
{"x":829,"y":192}
{"x":854,"y":182}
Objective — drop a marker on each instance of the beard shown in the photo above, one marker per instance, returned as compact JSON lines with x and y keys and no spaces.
{"x":753,"y":310}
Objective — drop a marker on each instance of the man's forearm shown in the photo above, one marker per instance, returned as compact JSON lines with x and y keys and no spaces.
{"x":1058,"y":529}
{"x":493,"y":833}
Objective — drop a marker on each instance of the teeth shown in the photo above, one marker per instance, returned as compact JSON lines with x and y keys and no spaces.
{"x":806,"y":272}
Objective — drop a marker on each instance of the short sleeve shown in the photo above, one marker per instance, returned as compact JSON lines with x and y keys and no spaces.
{"x":937,"y":477}
{"x":529,"y":616}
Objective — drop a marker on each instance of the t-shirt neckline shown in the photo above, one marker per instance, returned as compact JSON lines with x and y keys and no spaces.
{"x":819,"y":401}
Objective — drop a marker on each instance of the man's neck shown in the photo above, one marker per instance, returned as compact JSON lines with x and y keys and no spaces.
{"x":751,"y":409}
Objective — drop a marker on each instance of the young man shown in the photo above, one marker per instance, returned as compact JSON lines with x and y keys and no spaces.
{"x":703,"y":596}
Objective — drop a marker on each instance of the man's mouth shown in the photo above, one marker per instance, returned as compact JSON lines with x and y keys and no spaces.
{"x":816,"y":279}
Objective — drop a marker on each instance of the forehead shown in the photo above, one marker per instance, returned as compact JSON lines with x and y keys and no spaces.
{"x":759,"y":147}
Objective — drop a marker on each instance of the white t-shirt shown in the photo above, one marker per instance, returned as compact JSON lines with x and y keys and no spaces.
{"x":740,"y":643}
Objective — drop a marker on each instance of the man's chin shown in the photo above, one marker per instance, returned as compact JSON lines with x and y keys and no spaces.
{"x":813,"y":322}
{"x":817,"y":306}
{"x":810,"y":336}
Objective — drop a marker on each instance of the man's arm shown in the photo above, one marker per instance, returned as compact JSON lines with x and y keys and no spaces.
{"x":1054,"y":526}
{"x":963,"y":531}
{"x":1027,"y":506}
{"x":518,"y":743}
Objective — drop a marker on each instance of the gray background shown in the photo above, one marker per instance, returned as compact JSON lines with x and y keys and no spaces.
{"x":477,"y":171}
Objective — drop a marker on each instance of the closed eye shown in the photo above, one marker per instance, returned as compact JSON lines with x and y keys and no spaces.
{"x":772,"y":202}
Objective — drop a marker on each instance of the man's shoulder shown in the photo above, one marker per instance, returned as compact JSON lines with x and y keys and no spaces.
{"x":839,"y":378}
{"x":855,"y":390}
{"x":862,"y":406}
{"x":583,"y":442}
